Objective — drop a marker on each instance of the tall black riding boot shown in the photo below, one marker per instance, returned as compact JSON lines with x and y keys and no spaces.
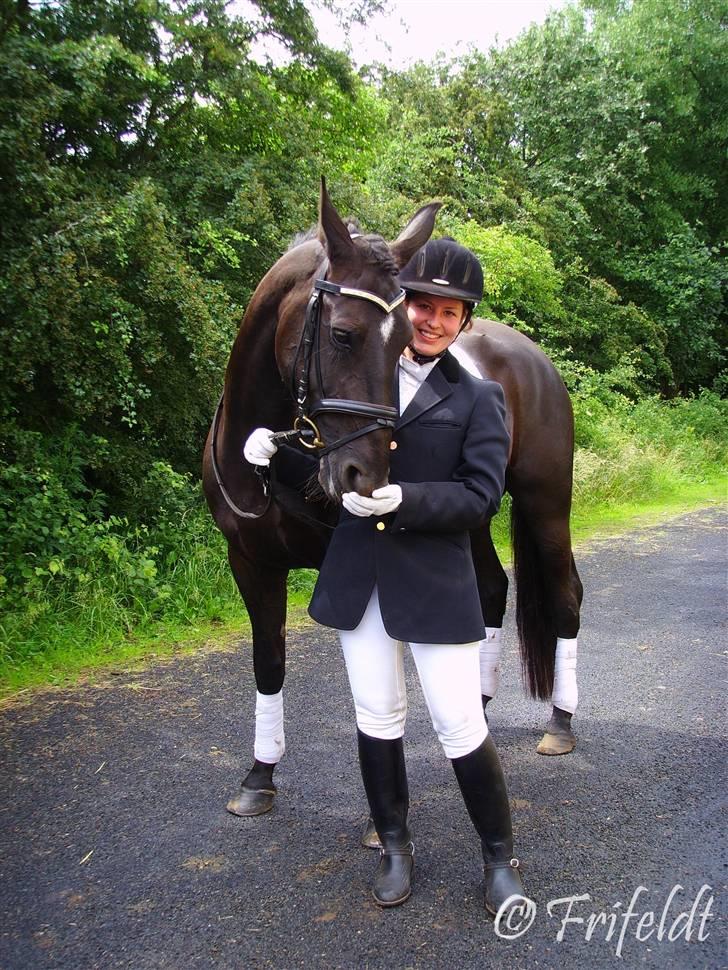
{"x":385,"y":782}
{"x":481,"y":781}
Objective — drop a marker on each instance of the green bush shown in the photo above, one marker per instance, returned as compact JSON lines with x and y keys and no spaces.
{"x":641,"y":451}
{"x":71,"y":570}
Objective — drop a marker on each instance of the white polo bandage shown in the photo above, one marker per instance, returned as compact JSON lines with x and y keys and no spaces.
{"x":490,"y":651}
{"x":270,"y":741}
{"x":566,"y":693}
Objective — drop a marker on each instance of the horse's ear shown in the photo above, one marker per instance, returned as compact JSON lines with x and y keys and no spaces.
{"x":415,"y":234}
{"x":333,"y":234}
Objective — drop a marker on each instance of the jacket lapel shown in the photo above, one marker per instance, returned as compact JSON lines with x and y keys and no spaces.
{"x":435,"y":389}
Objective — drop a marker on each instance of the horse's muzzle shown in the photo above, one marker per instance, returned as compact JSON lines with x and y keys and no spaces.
{"x":350,"y":470}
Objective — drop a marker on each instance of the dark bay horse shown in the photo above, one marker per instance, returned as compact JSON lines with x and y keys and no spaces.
{"x":332,"y":380}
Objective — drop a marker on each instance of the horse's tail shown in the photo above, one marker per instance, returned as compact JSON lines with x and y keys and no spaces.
{"x":534,"y":615}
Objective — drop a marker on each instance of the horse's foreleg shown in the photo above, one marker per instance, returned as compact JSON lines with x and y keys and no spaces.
{"x":264,"y":591}
{"x":493,"y":591}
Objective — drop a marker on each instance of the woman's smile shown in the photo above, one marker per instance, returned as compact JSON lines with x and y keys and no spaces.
{"x":436,"y":322}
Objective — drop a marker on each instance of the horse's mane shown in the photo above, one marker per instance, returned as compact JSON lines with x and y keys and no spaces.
{"x":371,"y":246}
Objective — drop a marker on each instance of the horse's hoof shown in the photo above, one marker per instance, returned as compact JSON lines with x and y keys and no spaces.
{"x":249,"y":803}
{"x":369,"y":837}
{"x":551,"y":744}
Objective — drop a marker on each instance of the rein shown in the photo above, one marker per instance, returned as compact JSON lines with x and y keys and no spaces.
{"x":304,"y":427}
{"x":218,"y":474}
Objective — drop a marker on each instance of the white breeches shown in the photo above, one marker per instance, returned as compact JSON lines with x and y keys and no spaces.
{"x":449,"y":675}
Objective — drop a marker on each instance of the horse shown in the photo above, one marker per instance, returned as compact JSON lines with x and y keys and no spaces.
{"x":314,"y":360}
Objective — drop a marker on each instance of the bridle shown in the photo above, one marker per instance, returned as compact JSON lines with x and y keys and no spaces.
{"x":304,"y":426}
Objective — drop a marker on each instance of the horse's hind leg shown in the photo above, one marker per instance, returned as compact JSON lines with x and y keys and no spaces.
{"x":566,"y":594}
{"x":559,"y":737}
{"x":493,"y":591}
{"x":549,"y":600}
{"x":263,"y":589}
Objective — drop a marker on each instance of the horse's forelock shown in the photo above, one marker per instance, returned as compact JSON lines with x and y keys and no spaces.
{"x":378,"y":252}
{"x":372,"y":247}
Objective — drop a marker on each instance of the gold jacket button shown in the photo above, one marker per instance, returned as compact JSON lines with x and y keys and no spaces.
{"x":392,"y":445}
{"x":381,"y":526}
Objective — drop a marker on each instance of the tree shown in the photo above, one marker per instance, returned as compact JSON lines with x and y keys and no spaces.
{"x":150,"y":173}
{"x":619,"y":122}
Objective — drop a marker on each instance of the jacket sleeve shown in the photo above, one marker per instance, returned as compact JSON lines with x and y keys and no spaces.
{"x":474,"y":493}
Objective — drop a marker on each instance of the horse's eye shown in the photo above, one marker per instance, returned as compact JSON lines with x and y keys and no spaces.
{"x":342,"y":338}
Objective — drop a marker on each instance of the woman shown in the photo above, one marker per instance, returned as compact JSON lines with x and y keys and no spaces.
{"x":399,"y":570}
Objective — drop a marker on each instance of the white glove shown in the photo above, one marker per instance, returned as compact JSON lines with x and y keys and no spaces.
{"x":259,"y":449}
{"x":383,"y":500}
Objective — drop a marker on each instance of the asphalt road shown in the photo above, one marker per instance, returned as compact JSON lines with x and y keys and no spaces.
{"x":116,"y":850}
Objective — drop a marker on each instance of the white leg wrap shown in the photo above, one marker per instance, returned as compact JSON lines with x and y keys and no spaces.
{"x":490,"y":651}
{"x":270,"y":742}
{"x":566,"y":693}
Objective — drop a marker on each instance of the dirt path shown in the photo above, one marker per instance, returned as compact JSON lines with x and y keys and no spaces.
{"x":116,"y":851}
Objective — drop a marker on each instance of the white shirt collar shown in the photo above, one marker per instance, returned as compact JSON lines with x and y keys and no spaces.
{"x":413,"y":369}
{"x":411,"y":378}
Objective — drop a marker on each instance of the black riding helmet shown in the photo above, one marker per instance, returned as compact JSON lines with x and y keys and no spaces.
{"x":445,"y":268}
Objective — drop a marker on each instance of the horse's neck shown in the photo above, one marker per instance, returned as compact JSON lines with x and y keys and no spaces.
{"x":255,"y":395}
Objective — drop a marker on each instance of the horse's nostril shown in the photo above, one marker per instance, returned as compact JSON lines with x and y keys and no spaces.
{"x":354,"y":479}
{"x":353,"y":476}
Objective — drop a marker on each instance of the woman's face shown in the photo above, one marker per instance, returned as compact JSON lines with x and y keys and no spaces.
{"x":436,"y":321}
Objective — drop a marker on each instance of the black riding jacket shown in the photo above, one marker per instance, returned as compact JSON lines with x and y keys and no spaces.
{"x":450,"y":461}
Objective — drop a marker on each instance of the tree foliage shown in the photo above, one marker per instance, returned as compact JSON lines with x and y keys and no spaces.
{"x":619,"y":118}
